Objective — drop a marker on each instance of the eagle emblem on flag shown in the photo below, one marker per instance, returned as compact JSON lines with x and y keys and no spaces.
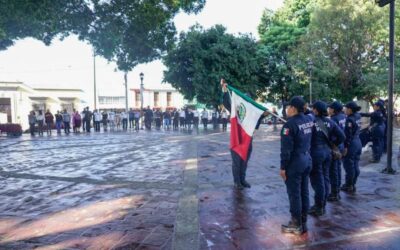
{"x":241,"y":112}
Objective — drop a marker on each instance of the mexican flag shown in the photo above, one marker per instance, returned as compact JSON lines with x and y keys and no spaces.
{"x":245,"y":113}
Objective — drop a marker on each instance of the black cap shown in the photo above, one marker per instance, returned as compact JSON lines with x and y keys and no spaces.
{"x":380,"y":104}
{"x":337,"y":106}
{"x":353,"y":106}
{"x":297,"y":102}
{"x":321,"y":107}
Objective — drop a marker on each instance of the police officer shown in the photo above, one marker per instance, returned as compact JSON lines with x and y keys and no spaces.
{"x":377,"y":129}
{"x":352,"y":147}
{"x":325,"y":133}
{"x":296,"y":163}
{"x":335,"y":111}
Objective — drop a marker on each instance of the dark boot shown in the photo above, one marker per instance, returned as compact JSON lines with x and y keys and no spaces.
{"x":238,"y":186}
{"x":374,"y":160}
{"x":245,"y":184}
{"x":243,"y":168}
{"x":348,"y":188}
{"x":316,"y":211}
{"x":293,"y":227}
{"x":304,"y":223}
{"x":334,"y":197}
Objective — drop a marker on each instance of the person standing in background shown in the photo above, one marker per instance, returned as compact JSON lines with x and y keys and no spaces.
{"x":67,"y":121}
{"x":124,"y":117}
{"x":49,"y":118}
{"x":40,"y":122}
{"x":59,"y":121}
{"x":76,"y":122}
{"x":131,"y":118}
{"x":105,"y":119}
{"x":32,"y":122}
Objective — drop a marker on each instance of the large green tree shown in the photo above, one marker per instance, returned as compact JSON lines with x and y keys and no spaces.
{"x":202,"y":57}
{"x":280,"y":33}
{"x":345,"y":42}
{"x":128,"y":32}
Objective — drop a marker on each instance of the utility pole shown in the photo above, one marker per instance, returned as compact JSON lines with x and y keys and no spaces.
{"x":94,"y":80}
{"x":389,"y":169}
{"x":126,"y":90}
{"x":310,"y":65}
{"x":141,"y":97}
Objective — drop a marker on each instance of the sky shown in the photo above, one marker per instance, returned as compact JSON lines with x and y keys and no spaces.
{"x":69,"y":63}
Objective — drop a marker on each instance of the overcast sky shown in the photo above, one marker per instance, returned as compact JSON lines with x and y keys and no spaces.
{"x":69,"y":63}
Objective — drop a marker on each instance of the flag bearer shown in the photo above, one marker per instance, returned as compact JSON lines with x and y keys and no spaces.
{"x":239,"y":162}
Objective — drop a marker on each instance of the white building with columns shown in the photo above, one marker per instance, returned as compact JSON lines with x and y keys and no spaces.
{"x":18,"y":99}
{"x":163,"y":96}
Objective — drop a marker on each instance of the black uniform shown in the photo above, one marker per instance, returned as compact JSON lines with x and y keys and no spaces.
{"x":321,"y":155}
{"x":377,"y":133}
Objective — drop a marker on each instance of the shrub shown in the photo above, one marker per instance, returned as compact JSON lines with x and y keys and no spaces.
{"x":11,"y":129}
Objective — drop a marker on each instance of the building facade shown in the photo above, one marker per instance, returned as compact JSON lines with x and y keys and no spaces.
{"x":18,"y":99}
{"x":160,"y":98}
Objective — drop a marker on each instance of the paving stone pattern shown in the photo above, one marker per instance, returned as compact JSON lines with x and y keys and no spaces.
{"x":173,"y":190}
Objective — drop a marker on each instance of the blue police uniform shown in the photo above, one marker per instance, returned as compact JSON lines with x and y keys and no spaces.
{"x":325,"y":132}
{"x":377,"y":129}
{"x":353,"y":146}
{"x":296,"y":161}
{"x":336,"y":168}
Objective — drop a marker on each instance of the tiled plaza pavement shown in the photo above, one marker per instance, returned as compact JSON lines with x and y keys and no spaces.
{"x":252,"y":219}
{"x":172,"y":190}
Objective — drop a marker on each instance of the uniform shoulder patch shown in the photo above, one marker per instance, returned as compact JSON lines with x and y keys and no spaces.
{"x":285,"y":131}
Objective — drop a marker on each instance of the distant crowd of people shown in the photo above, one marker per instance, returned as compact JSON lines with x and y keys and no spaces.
{"x":185,"y":118}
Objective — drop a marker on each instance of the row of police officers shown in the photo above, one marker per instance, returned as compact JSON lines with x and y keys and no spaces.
{"x":314,"y":144}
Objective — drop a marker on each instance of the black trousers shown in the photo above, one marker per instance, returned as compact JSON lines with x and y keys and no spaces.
{"x":124,"y":124}
{"x":32,"y":128}
{"x":87,"y":126}
{"x":239,"y":166}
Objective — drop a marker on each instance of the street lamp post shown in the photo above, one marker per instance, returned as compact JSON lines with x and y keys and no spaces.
{"x":389,"y":169}
{"x":310,"y":65}
{"x":94,"y":80}
{"x":126,"y":91}
{"x":141,"y":97}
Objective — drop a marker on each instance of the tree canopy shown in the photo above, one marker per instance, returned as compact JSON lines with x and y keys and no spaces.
{"x":126,"y":31}
{"x":341,"y":48}
{"x":202,"y":57}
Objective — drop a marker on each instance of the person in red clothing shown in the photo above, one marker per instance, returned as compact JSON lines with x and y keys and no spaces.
{"x":49,"y":119}
{"x":77,"y":122}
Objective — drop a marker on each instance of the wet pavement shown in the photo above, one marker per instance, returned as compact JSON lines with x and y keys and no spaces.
{"x":173,"y":190}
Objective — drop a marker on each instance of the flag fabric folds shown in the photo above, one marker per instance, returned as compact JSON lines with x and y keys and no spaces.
{"x":245,"y":113}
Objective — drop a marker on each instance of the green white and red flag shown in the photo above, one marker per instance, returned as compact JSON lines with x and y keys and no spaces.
{"x":245,"y":113}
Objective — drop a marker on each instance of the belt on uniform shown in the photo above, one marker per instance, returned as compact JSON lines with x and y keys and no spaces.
{"x":300,"y":152}
{"x":320,"y":146}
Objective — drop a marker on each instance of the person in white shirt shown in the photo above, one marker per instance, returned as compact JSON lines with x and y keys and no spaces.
{"x":83,"y":120}
{"x":124,"y":117}
{"x":111,"y":119}
{"x":204,"y":118}
{"x":224,"y":117}
{"x":118,"y":120}
{"x":97,"y":119}
{"x":182,"y":117}
{"x":40,"y":122}
{"x":196,"y":118}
